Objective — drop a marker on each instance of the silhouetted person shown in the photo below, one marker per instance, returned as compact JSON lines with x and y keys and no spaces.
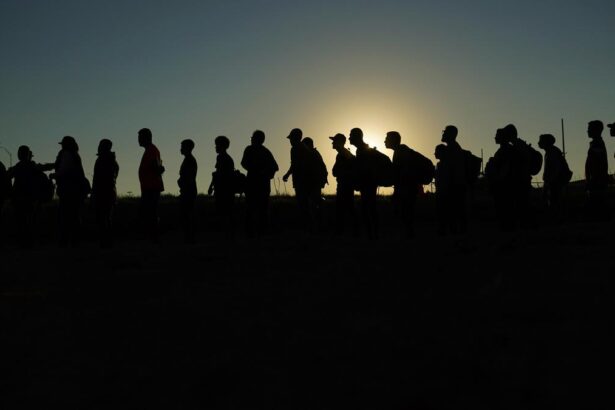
{"x":5,"y":191}
{"x":29,"y":182}
{"x":366,"y":182}
{"x":498,"y":174}
{"x":150,"y":179}
{"x":406,"y":181}
{"x":345,"y":172}
{"x":104,"y":193}
{"x":187,"y":189}
{"x":318,"y":177}
{"x":596,"y":170}
{"x":555,"y":176}
{"x":611,"y":129}
{"x":442,"y":182}
{"x":221,"y":185}
{"x":72,"y":190}
{"x":258,"y":161}
{"x":456,"y":191}
{"x":521,"y":177}
{"x":303,"y":181}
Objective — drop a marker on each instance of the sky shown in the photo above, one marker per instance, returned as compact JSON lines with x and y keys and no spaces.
{"x":198,"y":69}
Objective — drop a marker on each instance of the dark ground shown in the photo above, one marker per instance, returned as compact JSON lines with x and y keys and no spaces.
{"x":297,"y":321}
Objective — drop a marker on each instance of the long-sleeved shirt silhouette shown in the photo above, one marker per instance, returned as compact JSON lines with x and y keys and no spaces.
{"x":69,"y":174}
{"x":554,"y":166}
{"x":187,"y":176}
{"x":300,"y":157}
{"x":345,"y":169}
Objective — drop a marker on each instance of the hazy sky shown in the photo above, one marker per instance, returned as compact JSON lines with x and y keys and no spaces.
{"x":199,"y":69}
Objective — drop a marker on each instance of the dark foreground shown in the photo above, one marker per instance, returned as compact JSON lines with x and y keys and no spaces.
{"x":512,"y":321}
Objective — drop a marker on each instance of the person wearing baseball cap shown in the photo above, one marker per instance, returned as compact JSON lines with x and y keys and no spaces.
{"x":300,"y":157}
{"x":345,"y":173}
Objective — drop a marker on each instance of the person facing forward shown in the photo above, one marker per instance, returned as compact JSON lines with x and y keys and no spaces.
{"x":150,"y":179}
{"x":187,"y":189}
{"x":104,"y":194}
{"x":258,"y":161}
{"x":221,"y":185}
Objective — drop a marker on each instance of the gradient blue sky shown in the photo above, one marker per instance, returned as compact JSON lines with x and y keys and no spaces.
{"x":199,"y":69}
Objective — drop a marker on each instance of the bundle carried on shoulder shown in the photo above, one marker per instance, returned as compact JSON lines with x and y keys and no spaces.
{"x":382,"y":165}
{"x":423,"y":167}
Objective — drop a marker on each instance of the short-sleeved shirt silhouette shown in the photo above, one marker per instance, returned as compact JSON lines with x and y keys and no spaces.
{"x":150,"y":177}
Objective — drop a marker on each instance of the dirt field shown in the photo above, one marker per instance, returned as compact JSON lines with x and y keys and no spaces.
{"x":311,"y":321}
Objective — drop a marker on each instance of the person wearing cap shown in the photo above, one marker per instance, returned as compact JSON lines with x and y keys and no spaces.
{"x":150,"y":179}
{"x":104,"y":194}
{"x":187,"y":189}
{"x":300,"y":157}
{"x":72,"y":189}
{"x":344,"y":171}
{"x":261,"y":167}
{"x":366,"y":183}
{"x":596,"y":170}
{"x":222,"y":187}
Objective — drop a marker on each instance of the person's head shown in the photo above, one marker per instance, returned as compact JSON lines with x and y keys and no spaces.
{"x":595,"y":128}
{"x":546,"y":140}
{"x":145,"y":137}
{"x":440,"y":152}
{"x":24,"y":153}
{"x":500,"y":137}
{"x":104,"y":146}
{"x":68,"y":143}
{"x":295,"y":136}
{"x":338,"y":141}
{"x":449,"y":134}
{"x":222,"y":143}
{"x":258,"y":137}
{"x":392,"y":140}
{"x":611,"y":129}
{"x":510,"y":133}
{"x":308,"y":142}
{"x":356,"y":137}
{"x":186,"y":147}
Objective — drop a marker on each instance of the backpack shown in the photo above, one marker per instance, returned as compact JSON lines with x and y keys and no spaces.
{"x":425,"y":170}
{"x":239,"y":182}
{"x":472,"y":166}
{"x":383,"y":168}
{"x":566,"y":172}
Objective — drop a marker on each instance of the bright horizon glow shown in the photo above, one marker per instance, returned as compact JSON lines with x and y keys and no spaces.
{"x":197,"y":70}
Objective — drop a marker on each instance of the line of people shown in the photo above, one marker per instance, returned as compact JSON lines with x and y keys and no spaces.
{"x":508,"y":175}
